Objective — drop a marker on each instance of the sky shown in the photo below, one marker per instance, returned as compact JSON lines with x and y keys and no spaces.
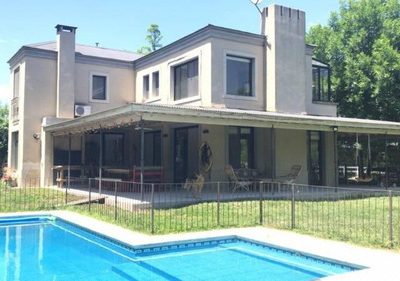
{"x":122,"y":24}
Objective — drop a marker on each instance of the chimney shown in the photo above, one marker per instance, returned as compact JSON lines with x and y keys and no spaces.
{"x":286,"y":60}
{"x":65,"y":71}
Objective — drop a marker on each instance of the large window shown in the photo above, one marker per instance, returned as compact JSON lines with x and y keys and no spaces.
{"x":113,"y":146}
{"x":146,"y":87}
{"x":16,"y":83}
{"x":152,"y":149}
{"x":99,"y":88}
{"x":156,"y":83}
{"x":186,"y":80}
{"x":321,"y":84}
{"x":241,"y":147}
{"x":239,"y":76}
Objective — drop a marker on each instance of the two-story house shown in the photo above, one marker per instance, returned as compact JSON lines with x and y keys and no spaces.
{"x":257,"y":100}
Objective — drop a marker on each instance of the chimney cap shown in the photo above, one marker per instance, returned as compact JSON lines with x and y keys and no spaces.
{"x":65,"y":28}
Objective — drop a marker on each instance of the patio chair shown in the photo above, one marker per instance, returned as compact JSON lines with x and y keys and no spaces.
{"x":291,"y":176}
{"x":234,"y":181}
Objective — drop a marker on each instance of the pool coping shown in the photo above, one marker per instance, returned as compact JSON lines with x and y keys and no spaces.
{"x":379,"y":264}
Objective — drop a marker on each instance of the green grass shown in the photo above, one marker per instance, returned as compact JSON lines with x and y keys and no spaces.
{"x":359,"y":221}
{"x":14,"y":199}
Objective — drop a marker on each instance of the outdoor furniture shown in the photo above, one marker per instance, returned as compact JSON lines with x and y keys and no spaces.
{"x":234,"y":181}
{"x":291,"y":176}
{"x":150,"y":174}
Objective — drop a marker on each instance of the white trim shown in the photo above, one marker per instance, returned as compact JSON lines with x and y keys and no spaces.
{"x":246,"y":57}
{"x":151,"y":100}
{"x":94,"y":73}
{"x":187,"y":100}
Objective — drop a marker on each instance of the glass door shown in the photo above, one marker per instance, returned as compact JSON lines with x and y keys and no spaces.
{"x":186,"y":156}
{"x":315,"y":158}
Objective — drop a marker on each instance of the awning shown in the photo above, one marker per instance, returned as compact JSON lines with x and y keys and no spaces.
{"x":134,"y":112}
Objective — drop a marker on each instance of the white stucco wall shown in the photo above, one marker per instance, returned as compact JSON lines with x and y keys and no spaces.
{"x":165,"y":67}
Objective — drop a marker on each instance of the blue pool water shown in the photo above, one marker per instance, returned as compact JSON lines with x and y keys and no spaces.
{"x":45,"y":248}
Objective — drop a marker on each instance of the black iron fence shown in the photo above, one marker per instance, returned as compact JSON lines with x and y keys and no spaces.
{"x":360,"y":215}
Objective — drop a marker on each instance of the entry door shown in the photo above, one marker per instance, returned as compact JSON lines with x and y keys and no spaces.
{"x":186,"y":156}
{"x":315,"y":158}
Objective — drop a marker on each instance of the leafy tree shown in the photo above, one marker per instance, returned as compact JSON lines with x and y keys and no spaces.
{"x":153,"y":38}
{"x":3,"y":133}
{"x":361,"y":42}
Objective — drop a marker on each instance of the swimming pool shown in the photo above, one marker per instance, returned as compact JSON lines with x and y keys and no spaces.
{"x":48,"y":248}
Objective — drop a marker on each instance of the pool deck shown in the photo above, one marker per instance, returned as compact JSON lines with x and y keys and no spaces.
{"x":381,"y":264}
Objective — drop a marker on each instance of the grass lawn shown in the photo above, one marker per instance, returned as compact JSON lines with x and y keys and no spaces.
{"x":32,"y":199}
{"x":360,"y":221}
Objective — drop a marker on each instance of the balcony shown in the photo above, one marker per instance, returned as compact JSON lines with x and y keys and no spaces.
{"x":14,"y":110}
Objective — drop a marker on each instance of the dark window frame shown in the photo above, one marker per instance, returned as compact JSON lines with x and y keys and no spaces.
{"x":251,"y":74}
{"x":17,"y":74}
{"x":92,"y":98}
{"x":122,"y":160}
{"x":155,"y":78}
{"x":154,"y":160}
{"x":175,"y":73}
{"x":319,"y":97}
{"x":146,"y":87}
{"x":250,"y":149}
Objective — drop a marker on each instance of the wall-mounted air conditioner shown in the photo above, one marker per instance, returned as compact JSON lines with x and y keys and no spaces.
{"x":82,"y":110}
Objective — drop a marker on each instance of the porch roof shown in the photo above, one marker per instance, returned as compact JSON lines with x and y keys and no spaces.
{"x":134,"y":112}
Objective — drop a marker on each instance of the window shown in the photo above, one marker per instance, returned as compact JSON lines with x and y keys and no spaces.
{"x":186,"y":80}
{"x":146,"y":87}
{"x":241,"y":147}
{"x":16,"y":83}
{"x":156,"y":83}
{"x":113,"y":147}
{"x":239,"y":76}
{"x":99,"y":88}
{"x":321,"y":83}
{"x":152,"y":149}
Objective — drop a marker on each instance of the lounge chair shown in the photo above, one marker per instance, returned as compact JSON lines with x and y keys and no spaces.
{"x":291,"y":176}
{"x":234,"y":181}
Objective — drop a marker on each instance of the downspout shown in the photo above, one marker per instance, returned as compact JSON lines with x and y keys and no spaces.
{"x":264,"y":56}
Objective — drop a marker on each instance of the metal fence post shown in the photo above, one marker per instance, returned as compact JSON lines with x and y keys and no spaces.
{"x":261,"y":203}
{"x":152,"y":209}
{"x":390,"y":219}
{"x":115,"y":200}
{"x":293,"y":209}
{"x":218,"y":194}
{"x":90,"y":193}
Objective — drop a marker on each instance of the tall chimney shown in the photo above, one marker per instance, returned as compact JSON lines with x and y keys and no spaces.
{"x":286,"y":60}
{"x":65,"y":71}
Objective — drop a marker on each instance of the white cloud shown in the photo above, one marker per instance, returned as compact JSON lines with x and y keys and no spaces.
{"x":5,"y":93}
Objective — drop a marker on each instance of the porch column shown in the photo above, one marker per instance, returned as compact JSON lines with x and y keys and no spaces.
{"x":335,"y":158}
{"x":273,"y":153}
{"x":69,"y":162}
{"x":46,"y":172}
{"x":100,"y":158}
{"x":141,"y":156}
{"x":386,"y":163}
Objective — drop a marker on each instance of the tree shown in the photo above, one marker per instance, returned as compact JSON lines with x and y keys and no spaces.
{"x":153,"y":38}
{"x":3,"y":133}
{"x":361,"y":42}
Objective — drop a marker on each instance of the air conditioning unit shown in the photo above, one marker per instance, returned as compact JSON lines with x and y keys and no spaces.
{"x":82,"y":110}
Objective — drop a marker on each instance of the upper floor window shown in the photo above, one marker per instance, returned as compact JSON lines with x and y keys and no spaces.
{"x":321,"y":83}
{"x":146,"y":87}
{"x":99,"y":88}
{"x":16,"y":83}
{"x":239,"y":76}
{"x":186,"y":80}
{"x":156,"y":83}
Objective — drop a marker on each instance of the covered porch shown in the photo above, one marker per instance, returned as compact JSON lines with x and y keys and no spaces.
{"x":163,"y":144}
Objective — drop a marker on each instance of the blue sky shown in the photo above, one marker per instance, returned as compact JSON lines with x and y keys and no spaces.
{"x":122,"y":24}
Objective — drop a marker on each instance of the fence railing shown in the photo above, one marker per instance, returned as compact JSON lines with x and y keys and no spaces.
{"x":360,"y":215}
